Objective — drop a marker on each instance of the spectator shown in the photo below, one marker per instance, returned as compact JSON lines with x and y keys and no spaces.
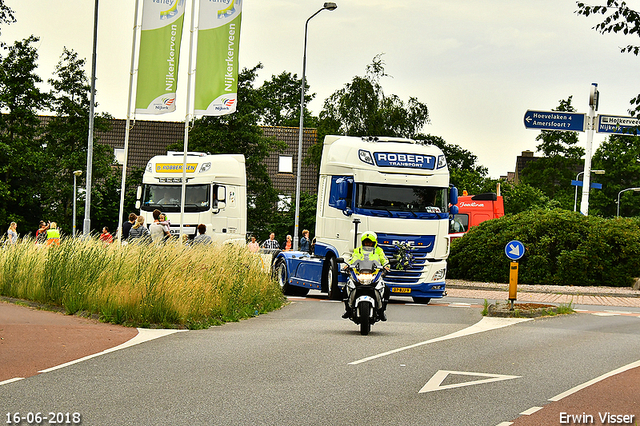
{"x":271,"y":243}
{"x":41,"y":233}
{"x":253,"y":245}
{"x":305,"y":244}
{"x":202,"y":237}
{"x":106,"y":237}
{"x":155,"y":229}
{"x":139,"y":231}
{"x":126,"y":227}
{"x":288,"y":245}
{"x":166,"y":226}
{"x":53,"y":235}
{"x":12,"y":233}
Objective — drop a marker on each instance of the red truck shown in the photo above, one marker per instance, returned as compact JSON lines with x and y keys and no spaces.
{"x":474,"y":209}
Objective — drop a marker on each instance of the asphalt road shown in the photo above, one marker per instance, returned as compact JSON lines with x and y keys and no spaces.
{"x":427,"y":365}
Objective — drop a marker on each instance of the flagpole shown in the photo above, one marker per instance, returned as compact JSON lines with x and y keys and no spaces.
{"x":190,"y":73}
{"x":128,"y":123}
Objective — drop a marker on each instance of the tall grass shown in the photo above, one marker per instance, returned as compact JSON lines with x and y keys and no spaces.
{"x":169,"y":285}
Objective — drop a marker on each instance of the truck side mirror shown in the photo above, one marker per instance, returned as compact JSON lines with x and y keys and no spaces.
{"x":454,"y":210}
{"x":222,"y":194}
{"x":342,"y":188}
{"x":342,"y":205}
{"x":453,"y":195}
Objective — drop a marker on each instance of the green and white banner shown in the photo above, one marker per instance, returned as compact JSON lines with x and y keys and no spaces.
{"x":216,"y":90}
{"x":160,"y":38}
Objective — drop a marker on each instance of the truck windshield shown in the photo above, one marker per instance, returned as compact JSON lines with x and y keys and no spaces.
{"x":168,"y":197}
{"x":417,"y":199}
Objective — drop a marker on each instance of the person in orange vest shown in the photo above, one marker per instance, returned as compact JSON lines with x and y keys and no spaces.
{"x":53,"y":235}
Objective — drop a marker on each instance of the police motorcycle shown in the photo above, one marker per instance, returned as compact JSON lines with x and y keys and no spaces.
{"x":365,"y":292}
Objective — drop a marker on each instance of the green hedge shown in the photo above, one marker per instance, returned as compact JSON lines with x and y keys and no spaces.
{"x":562,"y":248}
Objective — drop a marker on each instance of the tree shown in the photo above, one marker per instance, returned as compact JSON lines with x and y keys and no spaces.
{"x":552,"y":173}
{"x":361,"y":108}
{"x":6,"y":17}
{"x":618,"y":156}
{"x":618,"y":18}
{"x":281,"y":97}
{"x":66,"y":148}
{"x":239,"y":133}
{"x":21,"y":150}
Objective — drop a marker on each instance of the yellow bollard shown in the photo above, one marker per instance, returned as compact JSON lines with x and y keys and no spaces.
{"x":513,"y":282}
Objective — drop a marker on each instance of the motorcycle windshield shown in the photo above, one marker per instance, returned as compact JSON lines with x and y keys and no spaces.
{"x":366,"y":265}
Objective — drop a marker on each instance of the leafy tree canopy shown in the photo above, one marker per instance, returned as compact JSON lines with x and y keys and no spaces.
{"x":281,"y":96}
{"x":618,"y":17}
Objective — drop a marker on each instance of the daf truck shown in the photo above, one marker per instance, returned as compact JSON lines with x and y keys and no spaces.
{"x":395,"y":187}
{"x":216,"y":193}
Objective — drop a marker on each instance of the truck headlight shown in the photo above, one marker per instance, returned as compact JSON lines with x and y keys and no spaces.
{"x":439,"y":275}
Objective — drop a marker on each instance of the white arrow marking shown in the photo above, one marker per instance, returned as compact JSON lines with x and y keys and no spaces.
{"x":528,"y":119}
{"x":514,"y":250}
{"x":435,"y":383}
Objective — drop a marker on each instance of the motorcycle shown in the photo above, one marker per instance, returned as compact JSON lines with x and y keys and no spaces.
{"x":365,"y":292}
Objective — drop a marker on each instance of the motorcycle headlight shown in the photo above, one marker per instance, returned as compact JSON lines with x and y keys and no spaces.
{"x":365,"y":279}
{"x":439,"y":275}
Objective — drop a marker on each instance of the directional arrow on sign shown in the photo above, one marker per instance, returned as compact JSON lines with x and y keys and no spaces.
{"x":435,"y":382}
{"x":514,"y":250}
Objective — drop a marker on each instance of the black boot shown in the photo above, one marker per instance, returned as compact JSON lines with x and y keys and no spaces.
{"x":382,"y":315}
{"x":347,"y":310}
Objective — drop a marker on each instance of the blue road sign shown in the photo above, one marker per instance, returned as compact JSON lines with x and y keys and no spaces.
{"x":514,"y":250}
{"x":554,"y":120}
{"x":618,"y":125}
{"x":593,"y":184}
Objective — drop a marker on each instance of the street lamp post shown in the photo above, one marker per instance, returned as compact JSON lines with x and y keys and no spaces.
{"x":75,"y":175}
{"x":327,"y":6}
{"x":618,"y":203}
{"x":575,"y":198}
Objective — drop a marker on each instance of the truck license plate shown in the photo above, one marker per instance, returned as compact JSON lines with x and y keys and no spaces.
{"x":400,"y":290}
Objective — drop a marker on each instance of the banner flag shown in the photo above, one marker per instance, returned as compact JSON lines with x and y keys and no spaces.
{"x":160,"y":38}
{"x":216,"y":89}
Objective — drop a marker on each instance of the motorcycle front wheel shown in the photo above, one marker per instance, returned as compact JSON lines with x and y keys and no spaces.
{"x":364,"y":309}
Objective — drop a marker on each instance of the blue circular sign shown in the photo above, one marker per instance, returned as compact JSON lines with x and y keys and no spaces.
{"x":514,"y":250}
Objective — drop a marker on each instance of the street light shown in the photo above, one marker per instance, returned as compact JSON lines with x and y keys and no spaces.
{"x":618,"y":203}
{"x":575,"y":198}
{"x":327,"y":6}
{"x":75,"y":175}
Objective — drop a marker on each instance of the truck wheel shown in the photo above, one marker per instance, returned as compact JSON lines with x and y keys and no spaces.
{"x":333,"y":289}
{"x":422,"y":300}
{"x":281,"y":275}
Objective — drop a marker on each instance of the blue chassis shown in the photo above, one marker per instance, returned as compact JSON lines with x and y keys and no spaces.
{"x":305,"y":271}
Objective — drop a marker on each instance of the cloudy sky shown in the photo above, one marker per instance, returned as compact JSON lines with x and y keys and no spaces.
{"x":478,"y":65}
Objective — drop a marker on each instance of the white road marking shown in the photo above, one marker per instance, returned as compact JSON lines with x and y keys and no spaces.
{"x":15,"y":379}
{"x":144,"y":335}
{"x":435,"y":382}
{"x":485,"y":324}
{"x":530,"y":411}
{"x":504,"y":424}
{"x":596,"y":380}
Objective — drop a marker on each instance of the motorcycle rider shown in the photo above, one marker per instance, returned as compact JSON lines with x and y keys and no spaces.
{"x":369,"y":250}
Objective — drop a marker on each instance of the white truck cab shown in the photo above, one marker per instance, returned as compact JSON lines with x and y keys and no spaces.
{"x":216,"y":193}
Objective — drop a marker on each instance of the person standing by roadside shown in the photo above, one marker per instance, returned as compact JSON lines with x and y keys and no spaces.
{"x":41,"y":233}
{"x":155,"y":229}
{"x":138,"y":231}
{"x":202,"y":237}
{"x":12,"y":233}
{"x":166,"y":226}
{"x":253,"y":245}
{"x":305,"y":244}
{"x":106,"y":237}
{"x":53,"y":235}
{"x":271,"y":243}
{"x":288,"y":245}
{"x":126,"y":227}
